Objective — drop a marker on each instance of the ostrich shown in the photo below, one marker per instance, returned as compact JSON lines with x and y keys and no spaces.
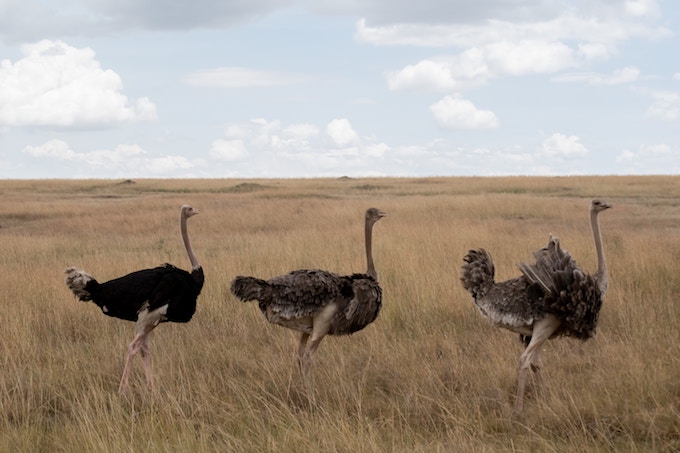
{"x":552,"y":297}
{"x":148,"y":297}
{"x":317,"y":302}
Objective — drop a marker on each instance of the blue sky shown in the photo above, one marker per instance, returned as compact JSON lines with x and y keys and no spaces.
{"x":329,"y":88}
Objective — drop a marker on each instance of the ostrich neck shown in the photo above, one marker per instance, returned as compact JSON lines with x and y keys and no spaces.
{"x":370,"y":270}
{"x":187,"y":243}
{"x":601,"y":273}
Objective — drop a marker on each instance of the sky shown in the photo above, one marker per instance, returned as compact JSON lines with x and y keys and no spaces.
{"x":330,"y":88}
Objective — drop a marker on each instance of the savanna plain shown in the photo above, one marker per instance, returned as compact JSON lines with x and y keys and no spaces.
{"x":430,"y":374}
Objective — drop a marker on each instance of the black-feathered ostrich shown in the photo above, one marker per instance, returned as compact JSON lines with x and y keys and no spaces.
{"x":552,"y":297}
{"x":148,"y":297}
{"x":317,"y":302}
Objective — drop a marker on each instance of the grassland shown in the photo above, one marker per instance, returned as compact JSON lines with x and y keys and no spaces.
{"x":429,"y":375}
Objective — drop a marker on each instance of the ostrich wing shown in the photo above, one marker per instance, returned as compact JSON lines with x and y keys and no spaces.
{"x":124,"y":296}
{"x":361,"y":309}
{"x":178,"y":289}
{"x":569,"y":293}
{"x":150,"y":289}
{"x":303,"y":292}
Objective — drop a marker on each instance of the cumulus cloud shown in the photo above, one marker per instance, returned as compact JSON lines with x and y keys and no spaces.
{"x":299,"y":149}
{"x":122,"y":160}
{"x":55,"y":84}
{"x":424,"y":75}
{"x":494,"y":47}
{"x":534,"y":56}
{"x":478,"y":64}
{"x":57,"y":149}
{"x":454,"y":113}
{"x":560,"y":145}
{"x":341,"y":132}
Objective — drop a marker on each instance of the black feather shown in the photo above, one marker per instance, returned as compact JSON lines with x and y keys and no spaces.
{"x":125,"y":296}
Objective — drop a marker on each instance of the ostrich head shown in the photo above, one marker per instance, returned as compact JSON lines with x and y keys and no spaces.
{"x":373,"y":215}
{"x":188,"y":211}
{"x":599,"y":205}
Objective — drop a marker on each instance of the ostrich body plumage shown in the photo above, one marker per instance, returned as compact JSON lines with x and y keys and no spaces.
{"x":292,"y":300}
{"x":148,"y":289}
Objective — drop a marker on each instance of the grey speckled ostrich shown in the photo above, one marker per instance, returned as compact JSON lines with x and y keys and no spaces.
{"x":553,"y":297}
{"x":317,"y":302}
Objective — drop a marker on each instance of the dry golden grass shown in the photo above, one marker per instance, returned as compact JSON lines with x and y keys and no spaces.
{"x":429,"y":375}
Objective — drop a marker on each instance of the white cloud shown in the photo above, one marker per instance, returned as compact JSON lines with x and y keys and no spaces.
{"x":55,"y":84}
{"x":123,"y":160}
{"x":112,"y":158}
{"x":57,"y":149}
{"x":424,"y":75}
{"x":454,"y":113}
{"x":676,"y":76}
{"x":528,"y":57}
{"x":478,"y":64}
{"x":239,"y":77}
{"x":341,"y":132}
{"x":658,"y":158}
{"x":300,"y":150}
{"x":559,"y":145}
{"x":666,"y":106}
{"x":468,"y":69}
{"x":587,"y":26}
{"x":229,"y":150}
{"x":494,"y":48}
{"x":620,"y":76}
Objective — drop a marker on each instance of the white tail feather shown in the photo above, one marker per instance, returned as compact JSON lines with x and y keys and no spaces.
{"x":77,"y":280}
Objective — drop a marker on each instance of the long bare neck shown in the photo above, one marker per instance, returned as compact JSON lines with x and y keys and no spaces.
{"x":187,"y":243}
{"x":370,"y":270}
{"x":601,"y":273}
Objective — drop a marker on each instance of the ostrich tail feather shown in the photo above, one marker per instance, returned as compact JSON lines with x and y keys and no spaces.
{"x":478,"y":272}
{"x":248,"y":288}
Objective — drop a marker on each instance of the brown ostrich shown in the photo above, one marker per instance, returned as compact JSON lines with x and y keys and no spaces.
{"x":316,"y":302}
{"x":553,"y":297}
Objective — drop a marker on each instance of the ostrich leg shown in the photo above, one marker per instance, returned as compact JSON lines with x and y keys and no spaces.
{"x":542,"y":330}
